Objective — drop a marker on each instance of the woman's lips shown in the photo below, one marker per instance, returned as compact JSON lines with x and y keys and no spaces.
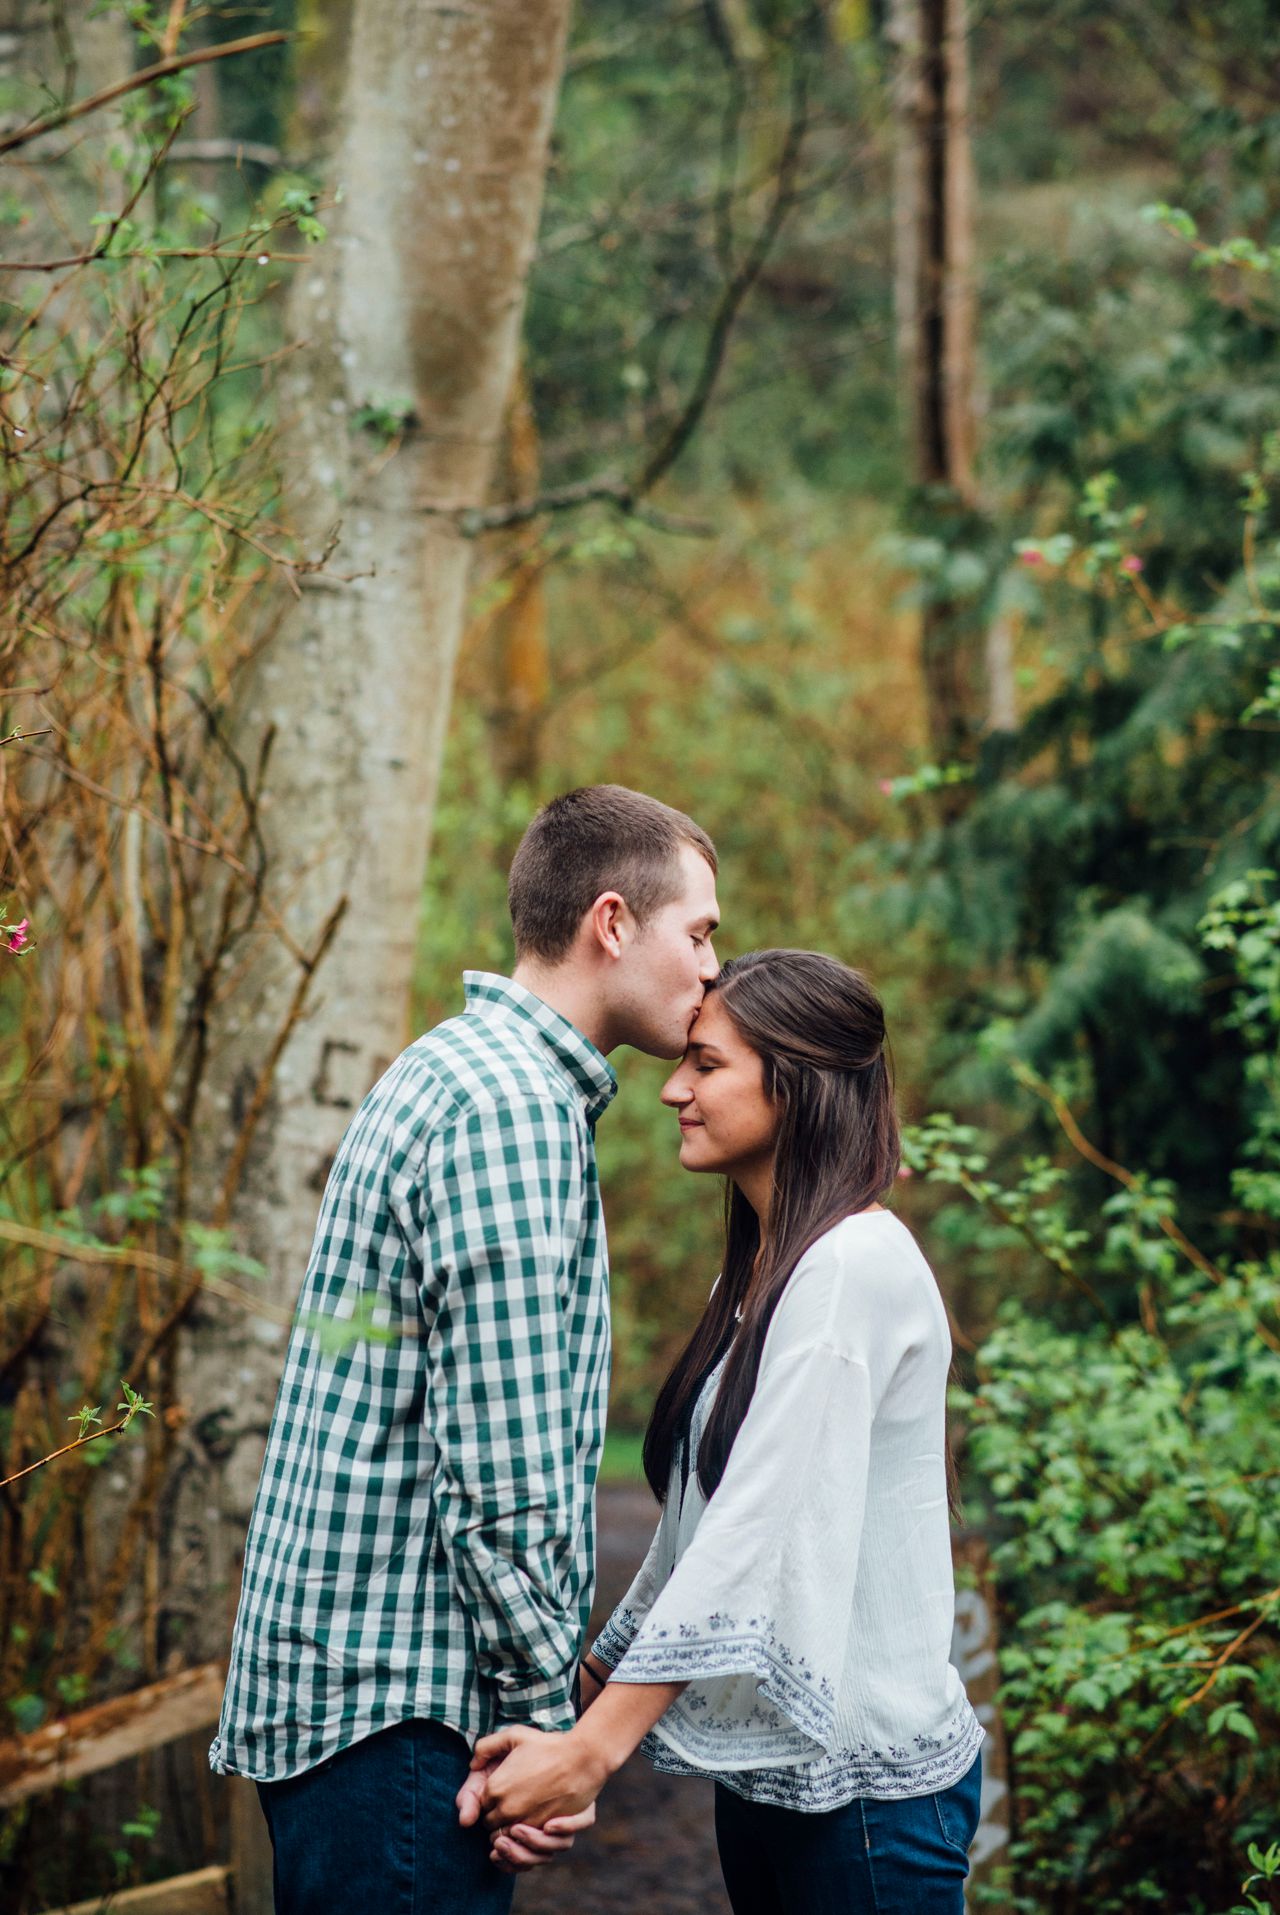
{"x":690,"y":1123}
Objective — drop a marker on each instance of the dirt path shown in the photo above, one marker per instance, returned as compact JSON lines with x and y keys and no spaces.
{"x":652,"y":1851}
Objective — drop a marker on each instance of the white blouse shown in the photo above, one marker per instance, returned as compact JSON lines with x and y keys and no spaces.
{"x":809,"y":1605}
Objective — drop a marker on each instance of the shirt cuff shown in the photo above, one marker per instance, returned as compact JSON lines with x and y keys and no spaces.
{"x":542,"y":1705}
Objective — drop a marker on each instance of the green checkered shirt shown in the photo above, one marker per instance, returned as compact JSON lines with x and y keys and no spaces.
{"x":422,"y":1542}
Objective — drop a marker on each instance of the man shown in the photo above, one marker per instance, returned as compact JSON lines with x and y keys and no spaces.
{"x":420,"y":1563}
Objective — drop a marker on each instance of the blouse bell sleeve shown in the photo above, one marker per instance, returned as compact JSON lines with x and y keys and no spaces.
{"x":755,"y":1615}
{"x":614,"y":1640}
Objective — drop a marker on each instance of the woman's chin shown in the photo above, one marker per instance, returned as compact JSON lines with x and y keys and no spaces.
{"x":694,"y":1158}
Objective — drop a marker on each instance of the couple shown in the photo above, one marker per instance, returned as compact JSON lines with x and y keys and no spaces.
{"x":407,"y":1684}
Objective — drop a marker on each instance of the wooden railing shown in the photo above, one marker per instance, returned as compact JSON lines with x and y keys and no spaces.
{"x":111,"y":1732}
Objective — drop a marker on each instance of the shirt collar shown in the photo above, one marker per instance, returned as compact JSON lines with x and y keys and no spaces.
{"x":489,"y":994}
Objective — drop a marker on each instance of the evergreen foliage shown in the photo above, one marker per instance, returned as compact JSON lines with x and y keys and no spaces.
{"x":1127,"y":1476}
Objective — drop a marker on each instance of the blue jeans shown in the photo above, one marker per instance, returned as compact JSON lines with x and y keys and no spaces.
{"x":869,"y":1858}
{"x":374,"y":1831}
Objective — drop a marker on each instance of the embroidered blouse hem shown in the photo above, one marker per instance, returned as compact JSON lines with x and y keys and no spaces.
{"x":774,"y":1712}
{"x":834,"y":1780}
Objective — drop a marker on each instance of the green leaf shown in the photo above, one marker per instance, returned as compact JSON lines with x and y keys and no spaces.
{"x":133,"y":1404}
{"x":28,"y":1712}
{"x":1175,"y":218}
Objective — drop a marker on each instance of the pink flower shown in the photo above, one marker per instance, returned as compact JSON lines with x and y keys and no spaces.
{"x":905,"y":1170}
{"x":18,"y":937}
{"x":1132,"y":564}
{"x":1031,"y":555}
{"x":886,"y":786}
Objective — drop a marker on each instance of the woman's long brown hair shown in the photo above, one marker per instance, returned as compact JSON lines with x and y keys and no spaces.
{"x":818,"y":1029}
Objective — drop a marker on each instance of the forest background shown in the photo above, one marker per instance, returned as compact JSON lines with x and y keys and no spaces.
{"x":886,"y":476}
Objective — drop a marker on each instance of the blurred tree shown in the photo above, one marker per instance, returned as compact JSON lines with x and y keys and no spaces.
{"x":935,"y":297}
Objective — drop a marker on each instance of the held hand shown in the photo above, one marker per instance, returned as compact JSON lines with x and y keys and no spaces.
{"x":517,"y":1850}
{"x":540,"y":1779}
{"x":470,"y":1797}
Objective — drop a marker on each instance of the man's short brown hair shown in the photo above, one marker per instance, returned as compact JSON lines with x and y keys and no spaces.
{"x":599,"y":838}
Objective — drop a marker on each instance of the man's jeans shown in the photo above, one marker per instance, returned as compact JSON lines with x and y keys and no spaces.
{"x":374,"y":1831}
{"x":869,"y":1858}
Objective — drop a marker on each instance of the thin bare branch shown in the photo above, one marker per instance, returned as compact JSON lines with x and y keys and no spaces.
{"x":234,"y":151}
{"x":263,"y":257}
{"x":124,"y":804}
{"x":146,"y":76}
{"x":112,"y":1429}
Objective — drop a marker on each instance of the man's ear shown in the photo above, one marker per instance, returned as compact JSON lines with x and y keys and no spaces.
{"x":611,"y":924}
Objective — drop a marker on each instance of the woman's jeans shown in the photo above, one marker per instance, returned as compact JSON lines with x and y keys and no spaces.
{"x":374,"y":1831}
{"x":908,"y":1857}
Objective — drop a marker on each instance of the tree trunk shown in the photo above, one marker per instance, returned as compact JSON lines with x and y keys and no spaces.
{"x":407,"y":328}
{"x":934,"y":227}
{"x":512,"y":633}
{"x":1002,"y":694}
{"x":934,"y":296}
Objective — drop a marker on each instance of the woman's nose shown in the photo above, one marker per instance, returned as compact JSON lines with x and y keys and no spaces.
{"x":677,"y":1090}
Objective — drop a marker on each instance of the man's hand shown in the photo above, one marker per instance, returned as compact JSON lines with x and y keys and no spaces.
{"x":516,"y":1850}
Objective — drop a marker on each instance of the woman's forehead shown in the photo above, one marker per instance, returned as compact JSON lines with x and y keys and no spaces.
{"x":713,"y":1025}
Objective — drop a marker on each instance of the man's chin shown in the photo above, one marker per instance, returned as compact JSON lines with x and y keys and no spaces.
{"x":668,"y":1045}
{"x":670,"y":1050}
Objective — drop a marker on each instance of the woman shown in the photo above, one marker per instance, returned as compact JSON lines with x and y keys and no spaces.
{"x":789,"y":1630}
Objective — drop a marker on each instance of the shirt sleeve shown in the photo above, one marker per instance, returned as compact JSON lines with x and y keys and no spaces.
{"x":507,"y":1188}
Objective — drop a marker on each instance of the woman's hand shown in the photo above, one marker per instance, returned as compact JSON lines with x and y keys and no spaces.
{"x":519,"y":1848}
{"x":538,"y":1778}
